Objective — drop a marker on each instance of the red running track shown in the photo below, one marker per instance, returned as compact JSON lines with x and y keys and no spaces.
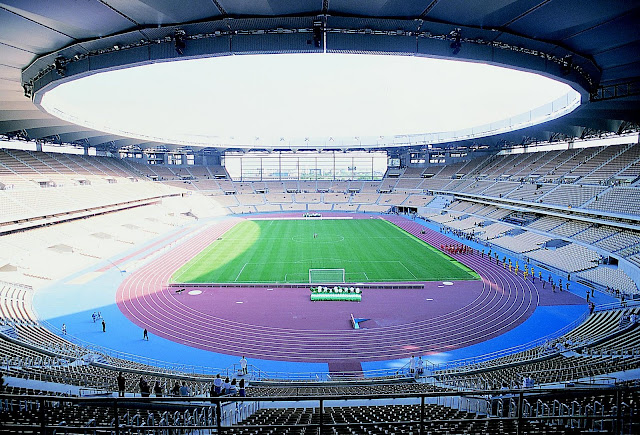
{"x":476,"y":311}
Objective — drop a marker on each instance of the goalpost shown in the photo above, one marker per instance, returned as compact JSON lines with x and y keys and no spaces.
{"x":317,"y":276}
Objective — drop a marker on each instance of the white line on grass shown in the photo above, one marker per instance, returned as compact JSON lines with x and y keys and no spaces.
{"x":240,"y":273}
{"x":414,"y":277}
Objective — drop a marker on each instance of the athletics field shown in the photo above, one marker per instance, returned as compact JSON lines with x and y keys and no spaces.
{"x":283,"y":251}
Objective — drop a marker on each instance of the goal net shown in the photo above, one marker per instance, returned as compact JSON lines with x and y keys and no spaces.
{"x":317,"y":276}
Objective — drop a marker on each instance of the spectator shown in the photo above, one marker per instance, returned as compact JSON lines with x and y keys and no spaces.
{"x":184,"y":390}
{"x":121,"y":384}
{"x":243,"y":365}
{"x":64,"y":329}
{"x":233,"y":389}
{"x":217,"y":385}
{"x":157,"y":389}
{"x":145,"y":334}
{"x":241,"y":388}
{"x":412,"y":365}
{"x":419,"y":367}
{"x":145,"y":391}
{"x":226,"y":386}
{"x":104,"y":326}
{"x":175,"y":391}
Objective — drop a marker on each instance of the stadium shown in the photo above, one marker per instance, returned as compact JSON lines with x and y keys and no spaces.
{"x":331,"y":238}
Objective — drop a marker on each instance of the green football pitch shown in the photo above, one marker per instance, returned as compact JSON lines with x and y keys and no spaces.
{"x":283,"y":251}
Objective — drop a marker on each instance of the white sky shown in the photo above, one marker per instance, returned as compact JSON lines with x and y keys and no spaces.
{"x":300,"y":95}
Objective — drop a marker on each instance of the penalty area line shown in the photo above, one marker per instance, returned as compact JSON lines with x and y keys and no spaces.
{"x":407,"y":269}
{"x":240,"y":273}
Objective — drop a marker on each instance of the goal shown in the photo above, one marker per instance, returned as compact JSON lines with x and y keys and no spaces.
{"x":317,"y":276}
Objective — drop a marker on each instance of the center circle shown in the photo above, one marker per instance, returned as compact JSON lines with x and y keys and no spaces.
{"x":318,"y":238}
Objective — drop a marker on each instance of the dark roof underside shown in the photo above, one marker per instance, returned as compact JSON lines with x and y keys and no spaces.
{"x":601,"y":34}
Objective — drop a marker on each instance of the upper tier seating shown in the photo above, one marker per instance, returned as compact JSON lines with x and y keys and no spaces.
{"x":27,"y":169}
{"x":37,"y":203}
{"x":623,"y":157}
{"x":568,"y":195}
{"x":617,"y":200}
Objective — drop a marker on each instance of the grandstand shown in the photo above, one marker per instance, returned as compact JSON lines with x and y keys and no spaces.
{"x":538,"y":333}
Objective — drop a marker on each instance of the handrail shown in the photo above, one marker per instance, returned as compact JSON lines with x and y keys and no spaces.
{"x":617,"y":305}
{"x":512,"y":350}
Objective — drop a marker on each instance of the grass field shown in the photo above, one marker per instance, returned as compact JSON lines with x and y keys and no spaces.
{"x":271,"y":251}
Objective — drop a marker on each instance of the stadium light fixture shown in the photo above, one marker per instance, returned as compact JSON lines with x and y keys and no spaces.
{"x":179,"y":41}
{"x":59,"y":66}
{"x":317,"y":34}
{"x":456,"y":45}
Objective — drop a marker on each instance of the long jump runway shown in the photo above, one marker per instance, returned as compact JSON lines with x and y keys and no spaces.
{"x":283,"y":324}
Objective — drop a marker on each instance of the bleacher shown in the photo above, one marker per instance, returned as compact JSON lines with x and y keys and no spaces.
{"x":507,"y":177}
{"x":609,"y":277}
{"x":599,"y":347}
{"x":525,"y":242}
{"x":617,"y":200}
{"x":104,"y":183}
{"x":569,"y":258}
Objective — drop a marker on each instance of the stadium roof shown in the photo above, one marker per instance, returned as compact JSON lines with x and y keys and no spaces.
{"x":593,"y":45}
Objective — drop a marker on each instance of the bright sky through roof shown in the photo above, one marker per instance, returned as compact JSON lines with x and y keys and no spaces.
{"x":300,"y":95}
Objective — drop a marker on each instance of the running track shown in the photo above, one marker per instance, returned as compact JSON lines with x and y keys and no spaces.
{"x":502,"y":301}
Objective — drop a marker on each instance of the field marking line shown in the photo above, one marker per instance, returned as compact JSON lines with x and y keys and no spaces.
{"x":414,"y":277}
{"x":301,"y":239}
{"x":240,"y":273}
{"x":365,"y":275}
